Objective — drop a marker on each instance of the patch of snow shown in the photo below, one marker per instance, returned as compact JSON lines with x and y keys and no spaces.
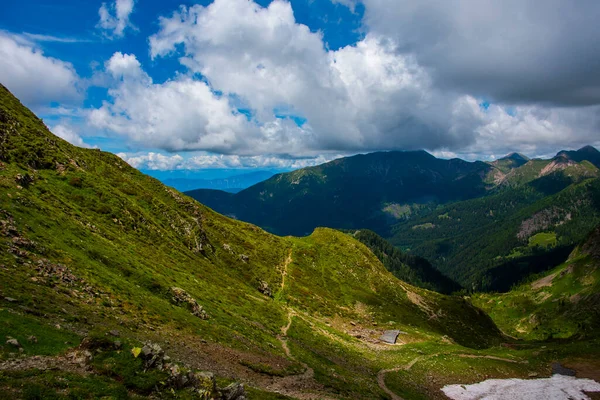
{"x":558,"y":387}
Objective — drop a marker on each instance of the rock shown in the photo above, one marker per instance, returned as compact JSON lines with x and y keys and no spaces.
{"x":235,"y":391}
{"x":244,"y":258}
{"x":118,"y":344}
{"x":14,"y":342}
{"x":180,"y":297}
{"x":114,"y":333}
{"x":32,"y":339}
{"x":352,"y":323}
{"x":153,"y":356}
{"x":264,"y":288}
{"x":24,"y":180}
{"x":10,"y":299}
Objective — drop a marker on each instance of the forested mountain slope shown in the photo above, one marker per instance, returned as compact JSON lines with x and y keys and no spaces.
{"x":562,"y":303}
{"x":365,"y":191}
{"x":492,"y":242}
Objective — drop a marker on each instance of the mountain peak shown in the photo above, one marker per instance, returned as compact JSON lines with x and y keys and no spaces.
{"x":588,"y":149}
{"x":515,"y":156}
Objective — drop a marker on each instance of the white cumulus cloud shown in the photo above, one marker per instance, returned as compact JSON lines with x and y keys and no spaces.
{"x":114,"y":17}
{"x":33,"y":77}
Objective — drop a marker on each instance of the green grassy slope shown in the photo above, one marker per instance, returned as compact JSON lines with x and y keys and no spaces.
{"x":406,"y":267}
{"x":562,"y":303}
{"x":88,"y":244}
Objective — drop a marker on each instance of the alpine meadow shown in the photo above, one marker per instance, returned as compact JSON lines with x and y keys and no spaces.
{"x":298,"y":199}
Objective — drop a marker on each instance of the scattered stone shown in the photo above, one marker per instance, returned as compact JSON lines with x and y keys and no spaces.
{"x":14,"y":342}
{"x":115,"y":333}
{"x":118,"y":344}
{"x":532,"y":374}
{"x":235,"y":391}
{"x":10,"y":299}
{"x":352,"y":323}
{"x":180,"y":296}
{"x":24,"y":180}
{"x":32,"y":339}
{"x":244,"y":258}
{"x":264,"y":288}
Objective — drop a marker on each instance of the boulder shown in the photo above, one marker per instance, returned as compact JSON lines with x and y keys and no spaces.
{"x":181,"y":297}
{"x":235,"y":391}
{"x":264,"y":288}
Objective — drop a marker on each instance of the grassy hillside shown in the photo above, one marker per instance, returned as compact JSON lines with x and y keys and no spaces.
{"x":562,"y":303}
{"x":406,"y":267}
{"x":90,"y":246}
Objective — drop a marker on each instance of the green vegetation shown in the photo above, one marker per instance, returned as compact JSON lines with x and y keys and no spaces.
{"x":406,"y":267}
{"x":543,"y":239}
{"x":489,"y":243}
{"x":368,"y":191}
{"x":559,"y":304}
{"x":89,"y":246}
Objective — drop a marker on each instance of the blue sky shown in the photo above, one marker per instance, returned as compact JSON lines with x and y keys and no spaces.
{"x":238,"y":84}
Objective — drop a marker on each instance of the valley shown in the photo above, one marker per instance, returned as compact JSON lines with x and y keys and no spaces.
{"x":115,"y":285}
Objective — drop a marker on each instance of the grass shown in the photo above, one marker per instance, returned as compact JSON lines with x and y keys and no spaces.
{"x":48,"y":340}
{"x":543,"y":239}
{"x":93,"y":245}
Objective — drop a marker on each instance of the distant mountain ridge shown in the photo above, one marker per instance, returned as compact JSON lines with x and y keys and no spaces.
{"x":374,"y":191}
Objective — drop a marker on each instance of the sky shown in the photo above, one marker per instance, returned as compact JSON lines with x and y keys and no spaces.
{"x":239,"y":84}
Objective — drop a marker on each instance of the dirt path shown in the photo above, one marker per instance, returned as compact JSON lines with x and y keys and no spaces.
{"x":381,"y":375}
{"x":75,"y":361}
{"x":301,"y":386}
{"x":284,"y":273}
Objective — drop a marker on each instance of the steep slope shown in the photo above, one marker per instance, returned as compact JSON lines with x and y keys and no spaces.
{"x":406,"y":267}
{"x":363,"y":191}
{"x":90,"y":246}
{"x":562,"y":303}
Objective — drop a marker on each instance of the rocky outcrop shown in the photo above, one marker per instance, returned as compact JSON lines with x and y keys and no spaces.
{"x":264,"y":288}
{"x":182,"y":298}
{"x":201,"y":383}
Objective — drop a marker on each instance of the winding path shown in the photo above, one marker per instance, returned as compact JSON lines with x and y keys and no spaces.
{"x":381,"y":374}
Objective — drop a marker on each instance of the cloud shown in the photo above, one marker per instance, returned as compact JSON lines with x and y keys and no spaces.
{"x":515,"y":51}
{"x":50,"y":38}
{"x":183,"y":114}
{"x":259,"y":84}
{"x":114,"y":18}
{"x":158,"y":161}
{"x":33,"y":77}
{"x":68,"y":134}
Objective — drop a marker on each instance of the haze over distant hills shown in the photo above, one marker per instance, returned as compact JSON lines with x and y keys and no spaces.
{"x":229,"y":180}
